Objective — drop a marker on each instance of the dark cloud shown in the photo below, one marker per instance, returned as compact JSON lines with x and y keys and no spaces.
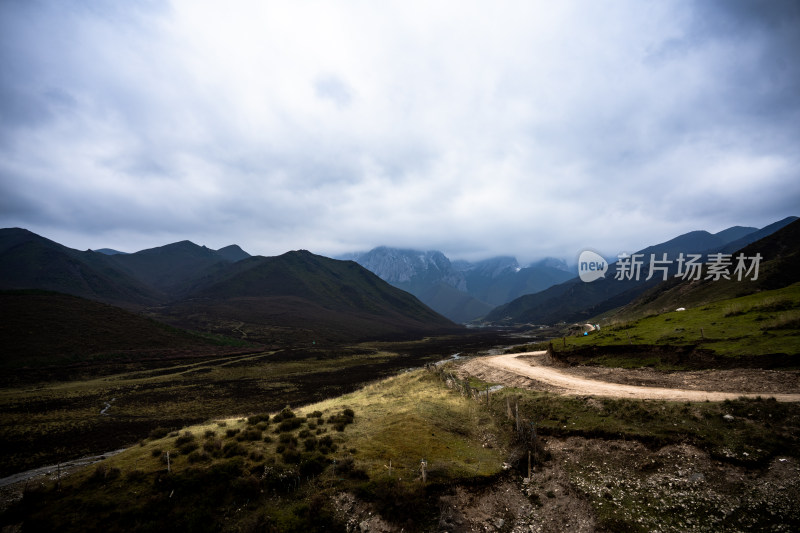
{"x":537,"y":129}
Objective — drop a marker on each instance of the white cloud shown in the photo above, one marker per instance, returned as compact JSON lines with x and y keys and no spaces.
{"x":527,"y":128}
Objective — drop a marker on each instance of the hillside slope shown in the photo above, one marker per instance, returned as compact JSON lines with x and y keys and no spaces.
{"x":38,"y":327}
{"x":28,"y":261}
{"x":305,"y":297}
{"x":780,"y":267}
{"x":575,"y":300}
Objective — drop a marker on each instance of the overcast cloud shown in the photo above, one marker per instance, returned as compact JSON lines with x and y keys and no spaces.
{"x":476,"y":128}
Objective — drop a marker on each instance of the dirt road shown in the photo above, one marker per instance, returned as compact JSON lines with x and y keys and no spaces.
{"x":508,"y":368}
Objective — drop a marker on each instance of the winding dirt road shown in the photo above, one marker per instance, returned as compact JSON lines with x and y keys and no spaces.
{"x":534,"y":367}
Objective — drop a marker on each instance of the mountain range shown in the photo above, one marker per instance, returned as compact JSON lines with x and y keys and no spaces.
{"x":297,"y":296}
{"x":460,"y":290}
{"x":575,"y":300}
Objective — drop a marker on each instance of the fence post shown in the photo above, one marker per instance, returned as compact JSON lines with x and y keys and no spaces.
{"x":169,"y":470}
{"x":423,"y":466}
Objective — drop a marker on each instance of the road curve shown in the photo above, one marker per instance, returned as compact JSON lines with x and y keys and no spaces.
{"x":534,"y":368}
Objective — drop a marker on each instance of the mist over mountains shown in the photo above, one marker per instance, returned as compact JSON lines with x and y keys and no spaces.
{"x":460,"y":290}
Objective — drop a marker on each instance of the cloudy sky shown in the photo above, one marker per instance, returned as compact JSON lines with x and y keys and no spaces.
{"x":476,"y":128}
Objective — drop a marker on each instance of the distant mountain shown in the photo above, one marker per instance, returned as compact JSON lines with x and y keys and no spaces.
{"x":575,"y":300}
{"x":328,"y":299}
{"x":233,"y":253}
{"x":109,"y":251}
{"x":460,"y":290}
{"x":28,"y":261}
{"x":291,"y":297}
{"x":499,"y":280}
{"x":171,"y":268}
{"x":779,"y":267}
{"x":754,"y":236}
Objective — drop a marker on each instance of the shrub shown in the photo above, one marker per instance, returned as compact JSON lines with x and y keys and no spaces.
{"x":159,"y":433}
{"x":249,"y":434}
{"x":232,"y":449}
{"x":287,"y":438}
{"x":188,"y":447}
{"x":312,"y":466}
{"x":310,"y":444}
{"x":188,"y":436}
{"x":304,"y":434}
{"x":210,"y":433}
{"x":291,"y":456}
{"x":103,"y":473}
{"x":232,"y":432}
{"x":256,"y":419}
{"x":289,"y":424}
{"x":213,"y":446}
{"x":157,"y":452}
{"x":198,"y":456}
{"x":256,"y":455}
{"x":316,"y":414}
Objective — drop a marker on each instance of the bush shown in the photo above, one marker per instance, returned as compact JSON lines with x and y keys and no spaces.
{"x":159,"y":433}
{"x":103,"y":473}
{"x":213,"y":446}
{"x":232,"y":432}
{"x":198,"y":456}
{"x":187,"y":436}
{"x":289,"y":424}
{"x":310,"y":444}
{"x":157,"y":452}
{"x":256,"y":419}
{"x":316,"y":414}
{"x":285,"y":414}
{"x":232,"y":449}
{"x":287,"y":438}
{"x":291,"y":456}
{"x":312,"y":466}
{"x":188,"y":447}
{"x":249,"y":434}
{"x":210,"y":433}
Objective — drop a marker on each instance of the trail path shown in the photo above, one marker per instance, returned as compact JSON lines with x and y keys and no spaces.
{"x":534,"y":367}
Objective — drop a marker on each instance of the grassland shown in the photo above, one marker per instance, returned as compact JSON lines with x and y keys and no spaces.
{"x":760,"y":327}
{"x":278,"y":471}
{"x":714,"y":463}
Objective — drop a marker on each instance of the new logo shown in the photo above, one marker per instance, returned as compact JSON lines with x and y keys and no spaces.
{"x":591,"y":266}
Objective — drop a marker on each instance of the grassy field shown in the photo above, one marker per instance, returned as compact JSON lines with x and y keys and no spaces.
{"x":283,"y":471}
{"x":272,"y":471}
{"x":762,"y":324}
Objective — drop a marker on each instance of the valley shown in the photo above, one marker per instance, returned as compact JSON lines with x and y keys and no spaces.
{"x":302,"y":393}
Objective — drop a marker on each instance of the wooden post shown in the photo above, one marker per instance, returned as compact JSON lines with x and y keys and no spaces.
{"x":702,"y":334}
{"x":564,"y":339}
{"x":423,"y":466}
{"x":169,"y":470}
{"x":629,"y":338}
{"x":508,"y":408}
{"x":487,"y":395}
{"x":529,"y":465}
{"x":519,"y":426}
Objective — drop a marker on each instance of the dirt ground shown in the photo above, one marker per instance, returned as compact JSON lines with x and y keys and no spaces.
{"x":535,"y":370}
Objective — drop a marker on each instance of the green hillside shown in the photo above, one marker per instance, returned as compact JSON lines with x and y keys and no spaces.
{"x":302,"y":297}
{"x":761,"y":329}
